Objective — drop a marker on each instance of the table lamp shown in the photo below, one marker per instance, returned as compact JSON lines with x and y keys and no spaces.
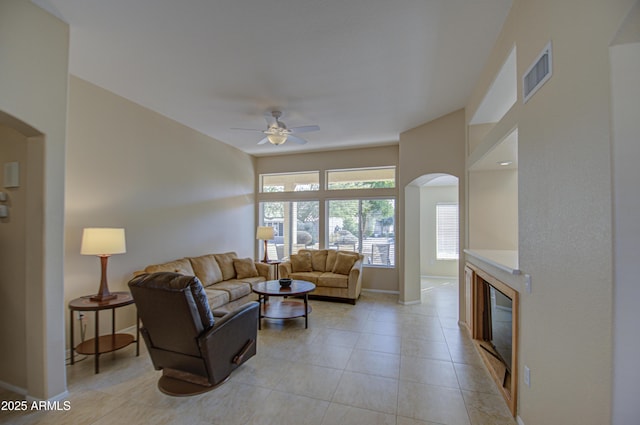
{"x":265,"y":233}
{"x":103,"y":242}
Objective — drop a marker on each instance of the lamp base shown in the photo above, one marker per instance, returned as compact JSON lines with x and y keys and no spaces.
{"x":103,"y":292}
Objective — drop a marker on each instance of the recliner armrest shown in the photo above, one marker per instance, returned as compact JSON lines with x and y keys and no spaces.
{"x":227,"y":341}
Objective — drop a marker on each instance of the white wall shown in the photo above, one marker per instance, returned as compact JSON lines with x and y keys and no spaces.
{"x":176,"y":192}
{"x":430,"y":196}
{"x":625,"y":69}
{"x":493,"y":210}
{"x":565,"y":207}
{"x":34,"y":48}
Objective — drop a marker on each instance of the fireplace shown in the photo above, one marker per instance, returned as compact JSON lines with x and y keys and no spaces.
{"x":493,"y":322}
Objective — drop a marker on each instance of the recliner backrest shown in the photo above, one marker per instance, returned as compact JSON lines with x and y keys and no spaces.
{"x":174,"y":310}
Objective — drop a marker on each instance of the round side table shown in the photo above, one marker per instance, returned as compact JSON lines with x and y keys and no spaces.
{"x":106,"y":343}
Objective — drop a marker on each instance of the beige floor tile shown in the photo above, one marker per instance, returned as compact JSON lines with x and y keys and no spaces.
{"x":382,"y":343}
{"x":289,"y":409}
{"x":360,"y":364}
{"x":337,"y":337}
{"x":319,"y":354}
{"x":401,"y":420}
{"x":339,"y":414}
{"x":374,"y":363}
{"x":475,"y":378}
{"x":367,"y":392}
{"x":424,"y":348}
{"x":431,"y":403}
{"x":310,"y":381}
{"x":428,"y":371}
{"x":487,"y":409}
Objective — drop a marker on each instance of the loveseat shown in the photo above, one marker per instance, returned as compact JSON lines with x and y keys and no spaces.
{"x":227,"y":279}
{"x":336,"y":274}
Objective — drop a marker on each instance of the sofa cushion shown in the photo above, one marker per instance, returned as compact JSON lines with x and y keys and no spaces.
{"x":225,"y":261}
{"x":253,"y":280}
{"x":207,"y":269}
{"x":308,"y":276}
{"x":235,"y":288}
{"x":301,"y":262}
{"x":245,"y":267}
{"x":333,"y":280}
{"x":182,"y":266}
{"x":343,"y":263}
{"x":319,"y":260}
{"x":215,"y":297}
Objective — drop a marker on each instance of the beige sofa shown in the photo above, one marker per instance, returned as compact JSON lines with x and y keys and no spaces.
{"x":336,"y":274}
{"x":227,"y":279}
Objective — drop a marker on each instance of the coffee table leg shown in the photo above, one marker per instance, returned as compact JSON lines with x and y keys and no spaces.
{"x":306,"y":311}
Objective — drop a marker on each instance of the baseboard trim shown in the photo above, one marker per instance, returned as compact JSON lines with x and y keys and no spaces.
{"x":60,"y":397}
{"x":409,"y":302}
{"x":381,"y":291}
{"x":13,"y":388}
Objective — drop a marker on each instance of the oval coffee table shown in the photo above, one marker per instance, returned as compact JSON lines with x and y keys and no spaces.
{"x":287,"y":308}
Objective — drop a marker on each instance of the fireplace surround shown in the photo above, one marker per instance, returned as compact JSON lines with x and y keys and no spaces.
{"x":493,"y":305}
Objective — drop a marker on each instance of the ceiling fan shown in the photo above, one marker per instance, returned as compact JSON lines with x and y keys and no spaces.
{"x":278,"y":133}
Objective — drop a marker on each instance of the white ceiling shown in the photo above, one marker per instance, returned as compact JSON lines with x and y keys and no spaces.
{"x":363,"y":70}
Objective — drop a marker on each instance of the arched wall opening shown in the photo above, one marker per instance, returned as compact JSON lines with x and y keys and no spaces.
{"x":421,"y":196}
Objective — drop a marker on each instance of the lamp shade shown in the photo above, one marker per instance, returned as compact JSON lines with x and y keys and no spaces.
{"x":265,"y":233}
{"x":103,"y":241}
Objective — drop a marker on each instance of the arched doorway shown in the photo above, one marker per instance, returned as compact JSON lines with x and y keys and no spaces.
{"x":427,"y":197}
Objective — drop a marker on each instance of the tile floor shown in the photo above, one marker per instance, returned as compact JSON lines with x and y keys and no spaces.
{"x":377,"y":362}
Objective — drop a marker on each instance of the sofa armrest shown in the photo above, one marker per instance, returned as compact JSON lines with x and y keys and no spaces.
{"x":265,"y":270}
{"x":355,"y":280}
{"x":285,"y":269}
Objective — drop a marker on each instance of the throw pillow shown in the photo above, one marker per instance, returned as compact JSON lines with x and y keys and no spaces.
{"x":225,"y":261}
{"x":319,"y":260}
{"x":245,"y":267}
{"x":344,"y":262}
{"x":301,"y":262}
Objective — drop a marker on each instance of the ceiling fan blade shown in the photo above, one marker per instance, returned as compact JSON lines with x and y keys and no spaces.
{"x":246,"y":129}
{"x":295,"y":139}
{"x":304,"y":129}
{"x":263,"y":141}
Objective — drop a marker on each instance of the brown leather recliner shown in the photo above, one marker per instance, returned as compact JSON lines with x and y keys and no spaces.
{"x":194,"y":351}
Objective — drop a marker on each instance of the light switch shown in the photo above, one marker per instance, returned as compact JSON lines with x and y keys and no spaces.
{"x":3,"y":196}
{"x":4,"y":211}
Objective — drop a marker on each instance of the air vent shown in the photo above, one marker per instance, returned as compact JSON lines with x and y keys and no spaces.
{"x":537,"y":74}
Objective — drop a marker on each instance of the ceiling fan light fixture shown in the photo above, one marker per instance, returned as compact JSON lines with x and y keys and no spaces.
{"x":277,"y":139}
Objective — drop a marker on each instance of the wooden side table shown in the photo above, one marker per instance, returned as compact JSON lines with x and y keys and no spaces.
{"x":275,"y":264}
{"x":106,"y":343}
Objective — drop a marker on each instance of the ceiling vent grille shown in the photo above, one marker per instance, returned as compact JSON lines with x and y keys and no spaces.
{"x":537,"y":74}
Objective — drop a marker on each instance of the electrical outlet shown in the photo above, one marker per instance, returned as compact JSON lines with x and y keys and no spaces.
{"x":80,"y":316}
{"x":527,"y":376}
{"x":527,"y":283}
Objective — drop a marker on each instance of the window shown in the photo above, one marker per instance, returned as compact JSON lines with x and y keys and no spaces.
{"x":447,"y":231}
{"x":365,"y":226}
{"x":295,"y":224}
{"x":363,"y":178}
{"x":290,"y":182}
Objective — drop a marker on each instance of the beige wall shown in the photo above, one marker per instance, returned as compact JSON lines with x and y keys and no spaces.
{"x":625,"y":69}
{"x":374,"y":278}
{"x":34,"y":50}
{"x":430,"y":196}
{"x":13,"y":232}
{"x":175,"y":191}
{"x":493,"y":209}
{"x":433,"y":148}
{"x":564,"y":207}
